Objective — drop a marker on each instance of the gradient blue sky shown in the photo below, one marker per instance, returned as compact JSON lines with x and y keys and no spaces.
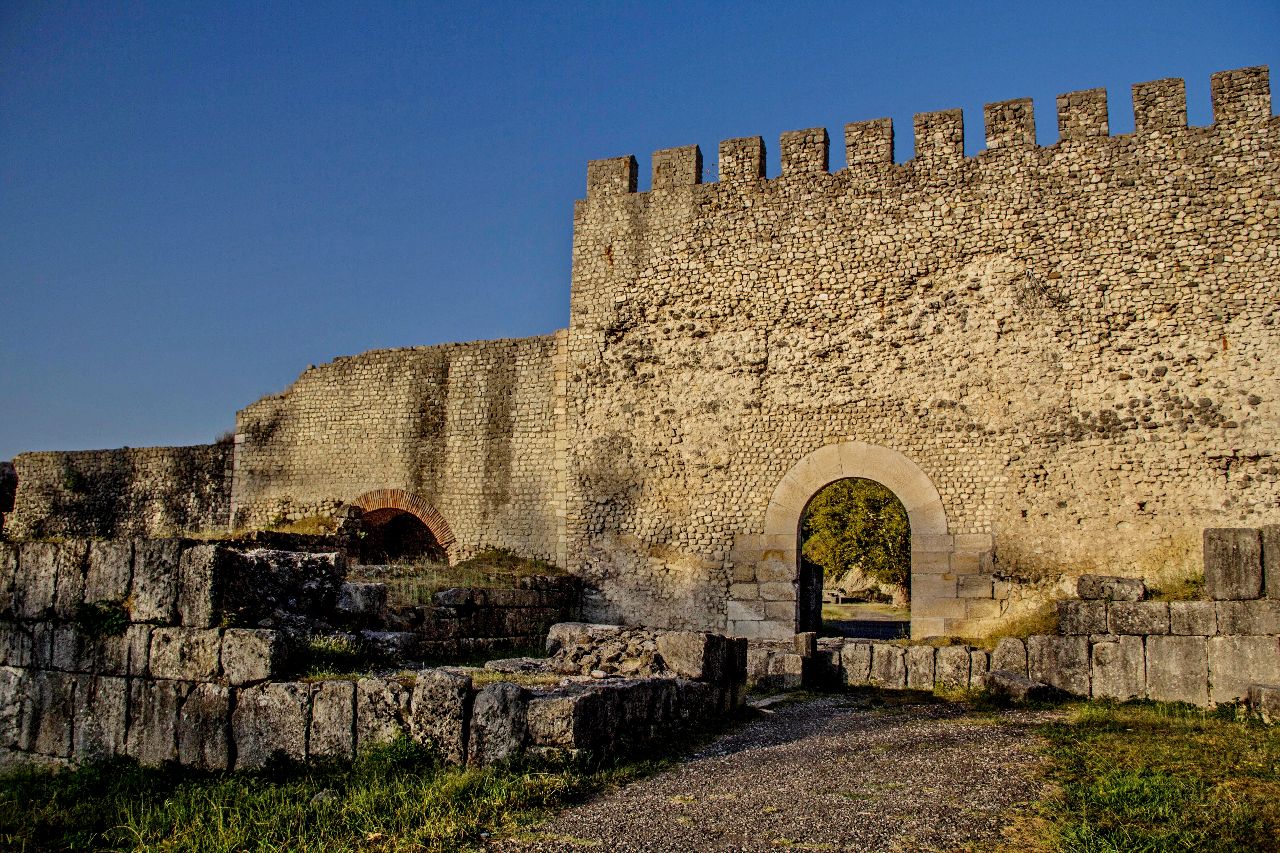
{"x":197,"y":200}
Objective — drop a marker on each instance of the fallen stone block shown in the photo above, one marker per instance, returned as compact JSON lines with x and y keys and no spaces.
{"x":693,"y":654}
{"x":855,"y":664}
{"x":153,"y":720}
{"x":920,"y":667}
{"x":252,"y":654}
{"x":110,"y":570}
{"x":786,"y":671}
{"x":1248,"y":617}
{"x":1119,"y":669}
{"x":1237,"y":662}
{"x":185,"y":654}
{"x":382,"y":711}
{"x":579,"y":718}
{"x":101,"y":714}
{"x":1264,"y":700}
{"x":154,"y":587}
{"x":1138,"y":617}
{"x":270,"y":718}
{"x":1082,"y":617}
{"x":1232,"y":563}
{"x":1110,"y":588}
{"x":440,"y":712}
{"x":333,"y":718}
{"x":1015,"y":687}
{"x":498,"y":724}
{"x":1193,"y":618}
{"x":888,"y":666}
{"x":204,"y":728}
{"x":1061,"y":662}
{"x":1178,"y":669}
{"x":563,"y":634}
{"x":951,"y":668}
{"x":1010,"y":655}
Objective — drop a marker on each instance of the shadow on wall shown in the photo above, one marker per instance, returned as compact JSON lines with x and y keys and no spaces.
{"x":8,"y":490}
{"x":394,"y":535}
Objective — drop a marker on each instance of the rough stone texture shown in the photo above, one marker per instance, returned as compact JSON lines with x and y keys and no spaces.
{"x":581,"y":718}
{"x":441,"y":710}
{"x":250,"y":654}
{"x":13,"y":689}
{"x":154,"y":595}
{"x":153,"y":720}
{"x":920,"y":667}
{"x":204,"y":728}
{"x":268,"y":718}
{"x":1010,"y":654}
{"x":190,"y":654}
{"x":333,"y":716}
{"x":8,"y":569}
{"x":1271,"y":560}
{"x":855,"y":664}
{"x":498,"y":724}
{"x":952,"y":667}
{"x":1110,"y":588}
{"x":361,"y":602}
{"x":1178,"y":669}
{"x":888,"y":666}
{"x":1248,"y":617}
{"x":696,"y":655}
{"x":1237,"y":662}
{"x":1082,"y":617}
{"x":979,"y":666}
{"x":1061,"y":662}
{"x":110,"y":570}
{"x":137,"y":642}
{"x":1015,"y":686}
{"x":267,"y":585}
{"x":1264,"y":700}
{"x":46,"y":714}
{"x":101,"y":713}
{"x":1119,"y":669}
{"x":198,"y":604}
{"x":1138,"y":617}
{"x":1233,"y":563}
{"x":382,"y":711}
{"x":1193,"y":618}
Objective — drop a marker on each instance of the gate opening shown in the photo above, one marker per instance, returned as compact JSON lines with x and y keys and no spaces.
{"x":855,"y":562}
{"x":394,"y":535}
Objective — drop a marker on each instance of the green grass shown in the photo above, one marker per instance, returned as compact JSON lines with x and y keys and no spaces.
{"x":394,"y":798}
{"x":1152,"y":777}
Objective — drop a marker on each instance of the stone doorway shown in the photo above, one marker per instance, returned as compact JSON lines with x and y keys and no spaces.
{"x":401,"y":526}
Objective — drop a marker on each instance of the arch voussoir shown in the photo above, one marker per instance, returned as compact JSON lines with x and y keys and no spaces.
{"x":413,"y":504}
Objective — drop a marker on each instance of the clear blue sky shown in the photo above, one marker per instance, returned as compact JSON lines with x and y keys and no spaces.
{"x":197,"y":200}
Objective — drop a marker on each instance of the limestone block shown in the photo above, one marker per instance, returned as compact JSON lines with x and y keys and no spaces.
{"x":361,"y":602}
{"x":15,"y":644}
{"x":1271,"y":560}
{"x":1194,"y":618}
{"x":591,"y":718}
{"x":952,"y":667}
{"x":1178,"y":670}
{"x":185,"y":654}
{"x":110,"y":570}
{"x":1119,"y":669}
{"x":758,"y":664}
{"x":973,"y":586}
{"x":920,"y":667}
{"x":700,"y":656}
{"x":68,"y":652}
{"x":333,"y":718}
{"x":1061,"y":662}
{"x":101,"y":713}
{"x":42,"y":645}
{"x":1264,"y":700}
{"x":204,"y":725}
{"x":439,"y":711}
{"x":778,"y":591}
{"x":137,"y":641}
{"x":1110,"y":588}
{"x":979,"y":666}
{"x":153,"y":720}
{"x":1248,"y":617}
{"x":47,"y":714}
{"x":855,"y":664}
{"x":498,"y":724}
{"x":254,"y":585}
{"x":268,"y":718}
{"x":382,"y":711}
{"x":1138,"y":617}
{"x":70,"y":560}
{"x":8,"y":571}
{"x":1010,"y":655}
{"x":252,"y":654}
{"x":1237,"y":662}
{"x":1015,"y":687}
{"x":1232,"y":563}
{"x":198,"y":574}
{"x":13,"y":690}
{"x":34,"y":579}
{"x":775,"y":571}
{"x":1082,"y":617}
{"x":888,"y":666}
{"x":154,"y":587}
{"x":565,"y":634}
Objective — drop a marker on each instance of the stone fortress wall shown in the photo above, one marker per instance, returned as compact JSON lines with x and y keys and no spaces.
{"x":1061,"y":357}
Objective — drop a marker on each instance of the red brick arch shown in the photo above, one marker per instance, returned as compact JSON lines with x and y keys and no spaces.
{"x":402,"y":500}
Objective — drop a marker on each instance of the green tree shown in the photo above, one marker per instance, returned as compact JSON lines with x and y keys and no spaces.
{"x":858,"y":523}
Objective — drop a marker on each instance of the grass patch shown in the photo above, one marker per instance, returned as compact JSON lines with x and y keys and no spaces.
{"x":393,"y":798}
{"x":1043,"y":620}
{"x":417,"y":581}
{"x":1154,"y":777}
{"x":1182,"y":589}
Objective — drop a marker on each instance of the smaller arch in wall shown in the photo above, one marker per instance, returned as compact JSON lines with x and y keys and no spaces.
{"x":385,"y":505}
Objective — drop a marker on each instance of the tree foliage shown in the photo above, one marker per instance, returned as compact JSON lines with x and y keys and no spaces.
{"x":857,"y":523}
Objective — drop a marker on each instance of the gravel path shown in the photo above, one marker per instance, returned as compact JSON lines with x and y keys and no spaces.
{"x":834,"y":773}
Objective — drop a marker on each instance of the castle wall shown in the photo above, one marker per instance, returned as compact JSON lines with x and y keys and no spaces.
{"x":1078,"y":345}
{"x":133,"y":491}
{"x":468,"y":429}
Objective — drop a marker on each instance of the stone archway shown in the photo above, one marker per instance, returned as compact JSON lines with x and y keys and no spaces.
{"x":763,"y":597}
{"x":386,"y":504}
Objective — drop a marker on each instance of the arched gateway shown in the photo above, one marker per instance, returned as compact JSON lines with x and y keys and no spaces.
{"x":400,"y":524}
{"x":762,"y":600}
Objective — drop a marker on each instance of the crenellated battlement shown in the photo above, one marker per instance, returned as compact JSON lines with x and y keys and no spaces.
{"x":1240,"y":98}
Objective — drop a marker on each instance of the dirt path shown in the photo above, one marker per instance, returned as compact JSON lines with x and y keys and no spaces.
{"x":834,"y":773}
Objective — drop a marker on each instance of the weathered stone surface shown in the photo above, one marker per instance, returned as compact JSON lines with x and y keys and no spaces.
{"x":564,"y":634}
{"x":137,"y":641}
{"x":590,"y":718}
{"x":35,"y":579}
{"x":920,"y":667}
{"x":1193,"y":618}
{"x":8,"y":571}
{"x":154,"y":596}
{"x":110,"y":570}
{"x":47,"y":714}
{"x":979,"y":666}
{"x":361,"y":602}
{"x":198,"y":605}
{"x":382,"y":711}
{"x":498,"y":724}
{"x":185,"y":654}
{"x":1178,"y":669}
{"x":101,"y":714}
{"x":888,"y":666}
{"x":855,"y":664}
{"x":13,"y":689}
{"x":42,"y":645}
{"x":1110,"y":588}
{"x":267,"y":585}
{"x":1010,"y":655}
{"x":696,"y":655}
{"x":952,"y":667}
{"x":1061,"y":662}
{"x":153,"y":720}
{"x":1264,"y":700}
{"x":1271,"y":560}
{"x":204,"y":725}
{"x":1232,"y":563}
{"x":68,"y":651}
{"x":333,"y":718}
{"x":1138,"y":617}
{"x":71,"y":561}
{"x":252,"y":654}
{"x":1249,"y":617}
{"x":1237,"y":662}
{"x":440,"y":712}
{"x":270,"y":718}
{"x":1119,"y":669}
{"x":1015,"y":687}
{"x":1082,"y":617}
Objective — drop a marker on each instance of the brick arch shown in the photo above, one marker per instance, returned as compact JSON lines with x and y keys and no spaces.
{"x":412,"y":504}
